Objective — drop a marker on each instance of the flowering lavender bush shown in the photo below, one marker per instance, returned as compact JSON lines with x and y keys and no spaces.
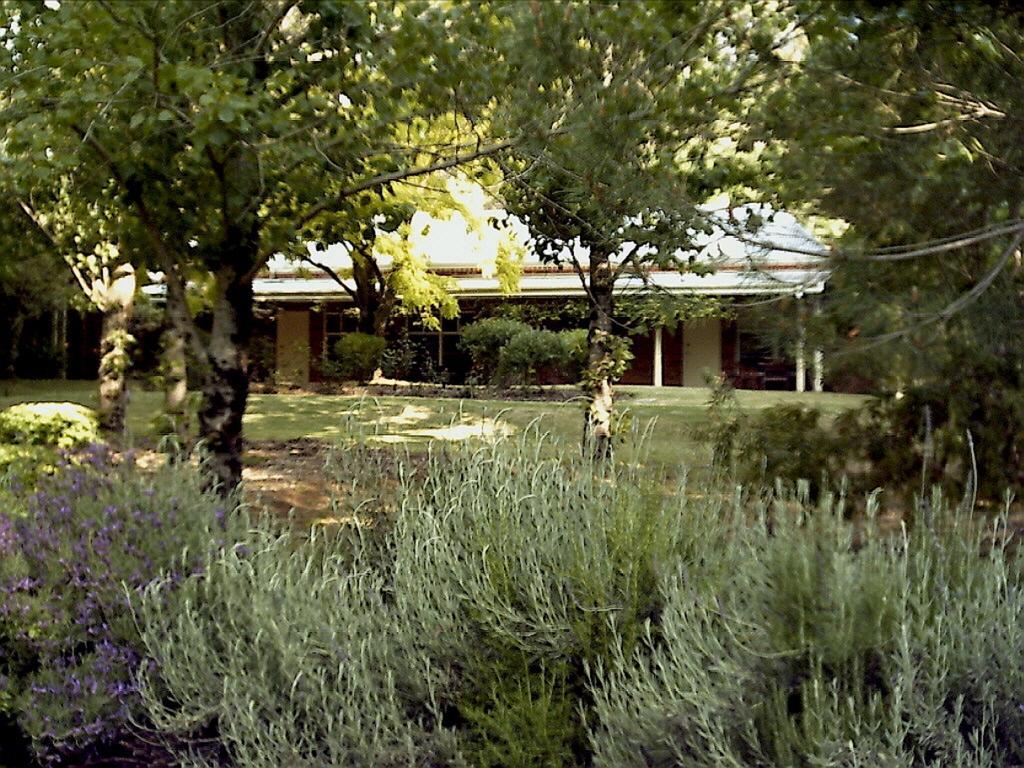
{"x":92,"y":535}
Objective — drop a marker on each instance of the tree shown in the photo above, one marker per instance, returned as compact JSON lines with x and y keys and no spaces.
{"x":636,"y":97}
{"x":225,"y":130}
{"x":390,"y":241}
{"x":908,"y":132}
{"x":106,"y":279}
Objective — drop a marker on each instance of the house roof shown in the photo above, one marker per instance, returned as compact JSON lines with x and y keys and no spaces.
{"x":778,"y":256}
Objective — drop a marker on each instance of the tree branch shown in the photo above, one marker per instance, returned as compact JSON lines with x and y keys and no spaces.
{"x":331,"y":274}
{"x":386,"y":178}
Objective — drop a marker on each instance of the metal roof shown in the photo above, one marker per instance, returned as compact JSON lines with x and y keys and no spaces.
{"x":779,"y":256}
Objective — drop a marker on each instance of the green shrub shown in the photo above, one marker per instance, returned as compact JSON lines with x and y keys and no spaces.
{"x":470,"y":627}
{"x":399,"y":359}
{"x":576,"y":352}
{"x":785,"y":442}
{"x":484,"y":339}
{"x":24,"y":465}
{"x":797,"y":642}
{"x":514,"y":610}
{"x":788,"y":442}
{"x":357,"y":356}
{"x":529,"y":353}
{"x":61,"y":425}
{"x":69,"y":558}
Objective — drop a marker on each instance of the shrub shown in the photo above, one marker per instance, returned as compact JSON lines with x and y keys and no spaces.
{"x":528,"y":353}
{"x":796,"y":643}
{"x":399,"y":359}
{"x":94,"y":533}
{"x":357,"y":356}
{"x":788,"y":442}
{"x":469,"y":628}
{"x":576,"y":352}
{"x":520,"y":611}
{"x":61,"y":425}
{"x":484,"y":339}
{"x":785,"y":442}
{"x":21,"y":466}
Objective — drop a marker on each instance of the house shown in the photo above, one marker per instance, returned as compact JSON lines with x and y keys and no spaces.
{"x":778,"y":258}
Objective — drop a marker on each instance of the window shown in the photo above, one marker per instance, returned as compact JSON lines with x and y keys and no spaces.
{"x":338,"y":322}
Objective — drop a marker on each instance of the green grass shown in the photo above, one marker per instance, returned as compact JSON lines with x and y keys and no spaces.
{"x":676,"y":413}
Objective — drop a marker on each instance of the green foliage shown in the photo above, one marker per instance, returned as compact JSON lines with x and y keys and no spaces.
{"x":576,"y":350}
{"x":793,"y":639}
{"x":484,"y":340}
{"x":529,"y":353}
{"x":60,"y":425}
{"x":399,"y":359}
{"x":357,"y":356}
{"x":786,"y":442}
{"x":70,"y":556}
{"x":22,"y":466}
{"x":469,"y":623}
{"x":612,"y":364}
{"x":506,"y":350}
{"x":963,"y":435}
{"x":539,"y":313}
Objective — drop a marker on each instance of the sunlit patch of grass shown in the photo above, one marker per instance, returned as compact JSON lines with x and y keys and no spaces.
{"x":416,"y":421}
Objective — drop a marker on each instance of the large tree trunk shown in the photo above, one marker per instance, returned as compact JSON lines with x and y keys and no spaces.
{"x":117,"y":304}
{"x":226,"y":379}
{"x":597,"y":423}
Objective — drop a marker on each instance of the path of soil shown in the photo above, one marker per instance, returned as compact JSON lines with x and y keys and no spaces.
{"x":287,"y":477}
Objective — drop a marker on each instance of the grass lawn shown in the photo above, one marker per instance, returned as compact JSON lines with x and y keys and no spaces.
{"x":675,"y":412}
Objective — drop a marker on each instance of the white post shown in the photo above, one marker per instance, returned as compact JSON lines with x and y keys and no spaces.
{"x":801,"y":363}
{"x":658,"y":382}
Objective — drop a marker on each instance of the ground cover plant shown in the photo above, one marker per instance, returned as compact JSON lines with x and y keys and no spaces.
{"x":517,"y":608}
{"x":71,"y":553}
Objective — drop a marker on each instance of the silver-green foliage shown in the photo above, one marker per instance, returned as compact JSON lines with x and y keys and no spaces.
{"x":342,"y":651}
{"x":525,"y":609}
{"x":801,"y":641}
{"x":296,"y":654}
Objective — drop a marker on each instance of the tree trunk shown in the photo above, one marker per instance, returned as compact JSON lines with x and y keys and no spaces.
{"x":226,"y":380}
{"x":175,"y":382}
{"x":597,"y":423}
{"x":117,"y":304}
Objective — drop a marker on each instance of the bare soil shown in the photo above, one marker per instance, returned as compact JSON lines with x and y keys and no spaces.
{"x":286,"y":477}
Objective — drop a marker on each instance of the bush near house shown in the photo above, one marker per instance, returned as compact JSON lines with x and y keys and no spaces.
{"x":530,"y":355}
{"x":356,"y":357}
{"x":508,"y":351}
{"x":484,"y":339}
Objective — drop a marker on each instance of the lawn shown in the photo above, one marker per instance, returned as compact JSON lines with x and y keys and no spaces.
{"x":675,"y":413}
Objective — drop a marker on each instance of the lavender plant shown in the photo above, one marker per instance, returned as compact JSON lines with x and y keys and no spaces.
{"x":93,"y":534}
{"x":519,"y":608}
{"x":460,"y":636}
{"x":799,"y":641}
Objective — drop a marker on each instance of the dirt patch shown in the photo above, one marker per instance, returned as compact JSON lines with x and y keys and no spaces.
{"x":287,"y":477}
